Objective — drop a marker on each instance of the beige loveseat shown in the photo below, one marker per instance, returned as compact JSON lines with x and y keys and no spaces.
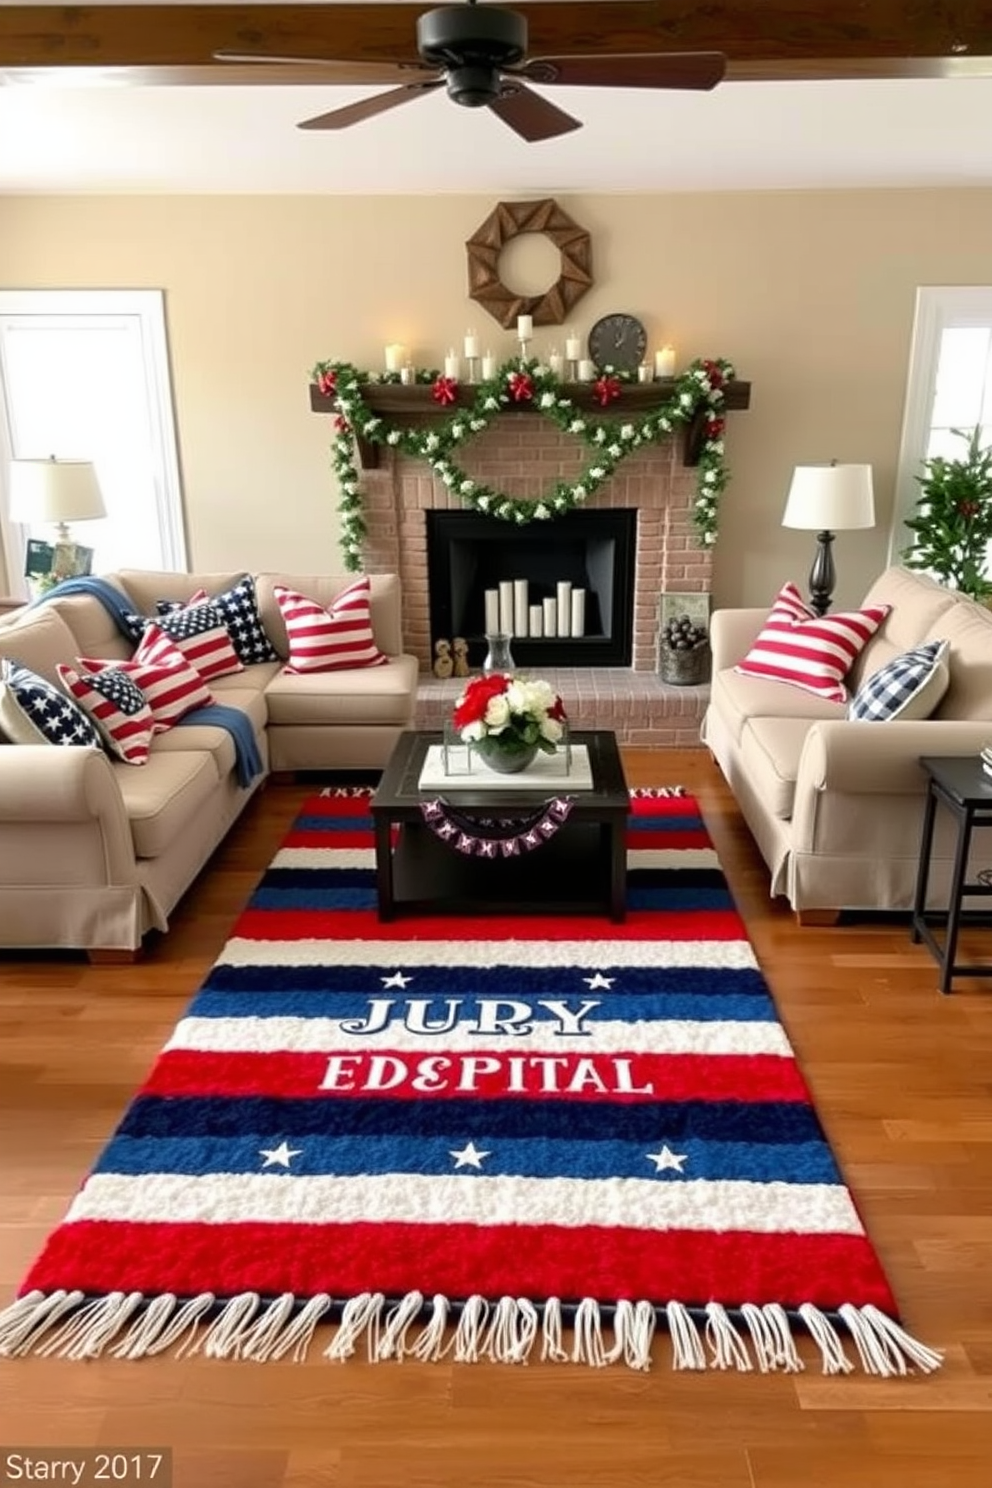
{"x":836,"y":806}
{"x":95,"y":852}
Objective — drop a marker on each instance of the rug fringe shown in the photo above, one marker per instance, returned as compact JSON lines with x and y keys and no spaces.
{"x":129,"y":1325}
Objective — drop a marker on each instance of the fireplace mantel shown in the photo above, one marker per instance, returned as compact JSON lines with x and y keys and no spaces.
{"x":415,"y":406}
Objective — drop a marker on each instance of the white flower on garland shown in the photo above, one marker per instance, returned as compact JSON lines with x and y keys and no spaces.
{"x":478,"y":424}
{"x":577,"y":426}
{"x":547,"y":400}
{"x":457,"y":431}
{"x":541,"y":512}
{"x":579,"y":493}
{"x":393,"y":437}
{"x":466,"y":488}
{"x":484,"y":503}
{"x":599,"y":435}
{"x":491,"y":403}
{"x":615,"y":451}
{"x":627,"y":432}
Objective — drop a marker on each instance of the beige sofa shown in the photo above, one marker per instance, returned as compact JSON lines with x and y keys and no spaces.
{"x":836,"y":806}
{"x":95,"y":852}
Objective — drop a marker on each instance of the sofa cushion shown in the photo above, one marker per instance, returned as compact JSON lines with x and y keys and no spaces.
{"x":771,"y":749}
{"x":117,"y":706}
{"x":814,"y":653}
{"x":737,"y":698}
{"x":160,"y":799}
{"x":211,"y":738}
{"x":375,"y":696}
{"x":909,"y":686}
{"x":39,"y":640}
{"x":172,"y":687}
{"x":332,"y":639}
{"x":917,"y":601}
{"x":968,"y":627}
{"x":32,"y":711}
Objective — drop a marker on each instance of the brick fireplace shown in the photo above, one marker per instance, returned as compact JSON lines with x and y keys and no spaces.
{"x":523,"y":456}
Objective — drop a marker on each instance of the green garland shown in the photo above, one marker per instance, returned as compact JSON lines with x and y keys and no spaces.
{"x":610,"y":438}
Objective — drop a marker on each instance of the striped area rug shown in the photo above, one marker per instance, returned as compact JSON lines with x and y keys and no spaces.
{"x":507,"y":1138}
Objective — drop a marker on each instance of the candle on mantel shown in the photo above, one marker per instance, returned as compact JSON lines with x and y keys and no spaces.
{"x":573,"y":347}
{"x":395,"y":357}
{"x":554,"y":361}
{"x":488,"y":366}
{"x":452,"y":366}
{"x":525,"y":327}
{"x":471,"y":345}
{"x":587,"y":370}
{"x":664,"y":362}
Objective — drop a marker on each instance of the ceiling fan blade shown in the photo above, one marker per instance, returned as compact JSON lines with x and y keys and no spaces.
{"x":627,"y":70}
{"x":331,"y":70}
{"x":356,"y":113}
{"x":530,"y":115}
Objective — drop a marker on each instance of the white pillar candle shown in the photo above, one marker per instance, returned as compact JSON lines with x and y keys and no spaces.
{"x":573,"y":347}
{"x":550,"y":617}
{"x":471,"y":344}
{"x":525,"y":327}
{"x":395,"y":357}
{"x":564,"y":607}
{"x":554,"y":362}
{"x":664,"y":362}
{"x":645,"y":372}
{"x":492,"y":611}
{"x":488,"y":366}
{"x":587,"y":370}
{"x":520,"y":606}
{"x":578,"y":612}
{"x":535,"y":621}
{"x":452,"y":365}
{"x":506,"y":606}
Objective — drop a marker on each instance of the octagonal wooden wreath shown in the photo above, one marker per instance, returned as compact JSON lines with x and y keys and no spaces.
{"x":507,"y":221}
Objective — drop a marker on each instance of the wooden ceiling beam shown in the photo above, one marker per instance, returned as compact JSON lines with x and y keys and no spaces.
{"x":773,"y":39}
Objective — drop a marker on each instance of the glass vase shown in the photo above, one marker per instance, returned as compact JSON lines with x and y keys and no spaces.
{"x":499,"y":657}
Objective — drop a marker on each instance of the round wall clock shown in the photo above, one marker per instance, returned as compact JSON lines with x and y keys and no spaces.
{"x":619,"y":341}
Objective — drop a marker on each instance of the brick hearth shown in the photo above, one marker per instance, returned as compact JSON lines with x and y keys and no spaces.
{"x":524,"y":456}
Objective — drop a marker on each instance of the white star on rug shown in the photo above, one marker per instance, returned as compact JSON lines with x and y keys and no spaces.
{"x":666,"y":1158}
{"x":469,"y":1157}
{"x":280,"y":1156}
{"x":599,"y":981}
{"x":396,"y":980}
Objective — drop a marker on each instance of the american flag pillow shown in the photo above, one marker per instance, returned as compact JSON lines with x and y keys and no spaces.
{"x":330,"y":640}
{"x":198,"y":630}
{"x":172,"y":687}
{"x":117,"y":706}
{"x":809,"y":651}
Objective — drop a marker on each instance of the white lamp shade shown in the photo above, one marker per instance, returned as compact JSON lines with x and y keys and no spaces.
{"x":830,"y":498}
{"x":54,"y":491}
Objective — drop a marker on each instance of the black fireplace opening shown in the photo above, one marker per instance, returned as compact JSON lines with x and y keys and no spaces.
{"x":469,"y":553}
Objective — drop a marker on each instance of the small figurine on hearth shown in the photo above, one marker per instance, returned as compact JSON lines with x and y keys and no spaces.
{"x":443,"y":664}
{"x":460,"y":647}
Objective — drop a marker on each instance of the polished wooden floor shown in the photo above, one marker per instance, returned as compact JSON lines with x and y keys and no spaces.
{"x":902,"y":1078}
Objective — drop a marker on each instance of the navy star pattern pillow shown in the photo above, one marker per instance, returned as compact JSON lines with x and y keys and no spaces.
{"x":239,"y":608}
{"x":32,"y":711}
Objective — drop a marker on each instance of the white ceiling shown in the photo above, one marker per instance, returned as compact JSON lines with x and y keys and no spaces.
{"x":107,"y":137}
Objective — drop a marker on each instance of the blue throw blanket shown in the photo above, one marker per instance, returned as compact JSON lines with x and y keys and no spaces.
{"x":248,"y":761}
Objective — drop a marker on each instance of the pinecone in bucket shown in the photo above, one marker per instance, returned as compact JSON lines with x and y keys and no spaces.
{"x":679,"y":634}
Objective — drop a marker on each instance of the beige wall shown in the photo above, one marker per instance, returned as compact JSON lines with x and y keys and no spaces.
{"x":811,"y":294}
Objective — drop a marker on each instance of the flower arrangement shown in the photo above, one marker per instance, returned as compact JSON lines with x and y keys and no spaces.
{"x":699,"y":391}
{"x":506,"y":717}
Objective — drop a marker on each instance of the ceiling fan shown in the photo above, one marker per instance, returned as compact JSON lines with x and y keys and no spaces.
{"x":478,"y":53}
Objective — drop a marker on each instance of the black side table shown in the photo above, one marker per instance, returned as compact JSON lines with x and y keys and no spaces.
{"x":965,"y":788}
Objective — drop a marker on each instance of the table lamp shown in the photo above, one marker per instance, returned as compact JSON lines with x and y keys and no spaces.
{"x":57,"y":491}
{"x":826,"y":499}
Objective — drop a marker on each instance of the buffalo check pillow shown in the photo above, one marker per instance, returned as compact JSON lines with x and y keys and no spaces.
{"x":330,"y":640}
{"x":908,"y":687}
{"x":171,"y":685}
{"x":32,"y":711}
{"x":809,"y":651}
{"x":118,"y":707}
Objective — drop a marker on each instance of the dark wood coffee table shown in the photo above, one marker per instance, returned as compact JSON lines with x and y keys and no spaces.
{"x":582,"y":869}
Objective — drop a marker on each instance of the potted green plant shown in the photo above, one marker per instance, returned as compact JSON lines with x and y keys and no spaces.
{"x":953,"y":521}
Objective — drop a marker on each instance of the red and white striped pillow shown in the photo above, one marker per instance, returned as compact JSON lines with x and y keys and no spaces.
{"x":330,"y":640}
{"x":171,"y":685}
{"x":810,"y":651}
{"x":199,"y":631}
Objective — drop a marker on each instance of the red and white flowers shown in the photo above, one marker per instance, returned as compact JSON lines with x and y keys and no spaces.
{"x":517,"y":712}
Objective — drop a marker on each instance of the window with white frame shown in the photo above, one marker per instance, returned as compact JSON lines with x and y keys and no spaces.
{"x":949,"y":387}
{"x":84,"y":374}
